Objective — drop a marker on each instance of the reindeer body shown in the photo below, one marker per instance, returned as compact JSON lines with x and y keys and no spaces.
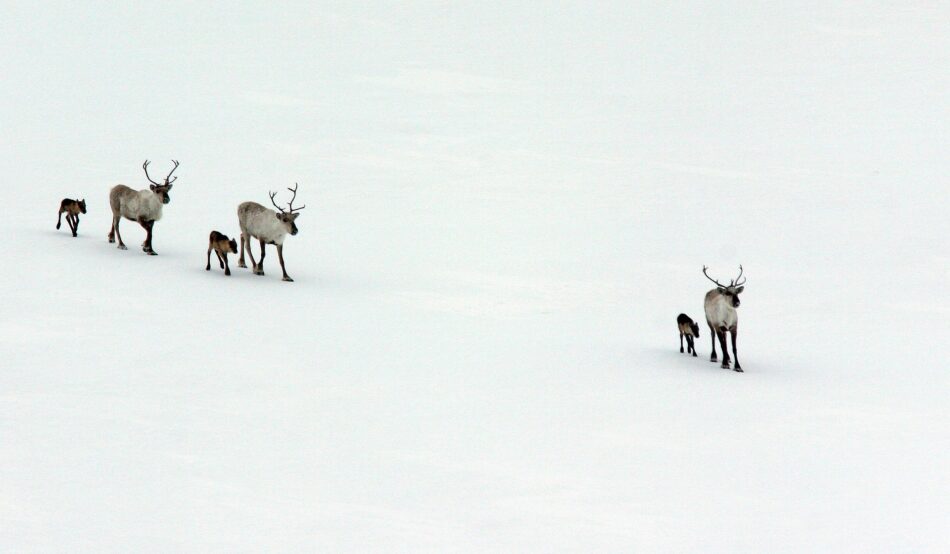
{"x":268,"y":227}
{"x":142,"y":206}
{"x":221,"y":245}
{"x":72,"y":209}
{"x":689,"y":329}
{"x":720,"y":305}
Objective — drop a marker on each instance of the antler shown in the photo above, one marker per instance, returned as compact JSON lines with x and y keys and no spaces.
{"x":145,"y":167}
{"x":291,"y":204}
{"x":272,"y":195}
{"x":737,"y":283}
{"x":167,"y":182}
{"x":710,"y":278}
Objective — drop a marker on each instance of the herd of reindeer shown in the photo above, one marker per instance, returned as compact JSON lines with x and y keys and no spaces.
{"x":145,"y":208}
{"x":269,"y":227}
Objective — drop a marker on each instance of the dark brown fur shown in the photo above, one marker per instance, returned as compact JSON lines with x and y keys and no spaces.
{"x":689,"y":329}
{"x":72,"y":209}
{"x":221,"y":245}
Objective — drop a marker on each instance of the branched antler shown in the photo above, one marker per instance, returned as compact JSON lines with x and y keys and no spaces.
{"x":290,"y":206}
{"x":167,"y":182}
{"x":710,"y":278}
{"x":145,"y":167}
{"x":737,"y":283}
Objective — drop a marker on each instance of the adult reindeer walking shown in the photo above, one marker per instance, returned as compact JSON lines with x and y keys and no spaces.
{"x":142,"y":206}
{"x":269,"y":227}
{"x":721,"y":316}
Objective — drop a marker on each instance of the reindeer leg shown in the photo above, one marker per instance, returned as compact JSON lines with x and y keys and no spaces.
{"x":712,"y":335}
{"x":241,"y":258}
{"x":260,"y":268}
{"x":227,"y":268}
{"x":115,"y":227}
{"x":681,"y":342}
{"x":220,"y":259}
{"x":721,"y":333}
{"x":280,"y":256}
{"x":59,"y":219}
{"x":735,"y":355}
{"x":208,"y":265}
{"x":71,"y":223}
{"x":692,"y":345}
{"x":75,"y":225}
{"x":250,"y":254}
{"x":148,"y":239}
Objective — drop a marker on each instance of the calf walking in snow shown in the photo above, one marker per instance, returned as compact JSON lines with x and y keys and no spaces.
{"x":269,"y":227}
{"x":689,"y":329}
{"x":221,"y":245}
{"x":142,"y":206}
{"x":72,"y":208}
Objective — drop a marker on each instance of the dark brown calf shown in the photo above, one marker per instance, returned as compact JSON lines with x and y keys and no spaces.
{"x":72,"y":208}
{"x":689,"y":329}
{"x":221,"y":245}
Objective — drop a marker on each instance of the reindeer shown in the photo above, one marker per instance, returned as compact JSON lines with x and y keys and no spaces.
{"x":142,"y":206}
{"x":689,"y":329}
{"x":221,"y":245}
{"x":72,"y":208}
{"x":269,"y":227}
{"x":721,"y":316}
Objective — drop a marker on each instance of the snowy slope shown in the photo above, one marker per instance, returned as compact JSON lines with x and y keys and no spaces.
{"x":506,"y":210}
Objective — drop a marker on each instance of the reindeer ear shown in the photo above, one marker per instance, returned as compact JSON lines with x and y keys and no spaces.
{"x":169,"y":187}
{"x":721,"y":289}
{"x":151,"y":187}
{"x":739,"y":290}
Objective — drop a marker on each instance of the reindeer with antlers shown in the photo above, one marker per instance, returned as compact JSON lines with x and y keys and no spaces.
{"x":142,"y":206}
{"x":721,"y":316}
{"x":269,"y":227}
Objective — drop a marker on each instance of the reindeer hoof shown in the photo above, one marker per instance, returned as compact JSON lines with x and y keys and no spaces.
{"x":242,"y":264}
{"x":738,"y":369}
{"x":694,"y":355}
{"x":258,"y":272}
{"x":288,"y":279}
{"x":123,"y":247}
{"x":151,"y":253}
{"x":725,"y":366}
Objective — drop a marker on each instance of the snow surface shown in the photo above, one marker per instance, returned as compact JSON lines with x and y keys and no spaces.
{"x":507,"y":207}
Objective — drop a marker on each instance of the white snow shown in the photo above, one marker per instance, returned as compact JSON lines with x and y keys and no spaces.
{"x":507,"y":207}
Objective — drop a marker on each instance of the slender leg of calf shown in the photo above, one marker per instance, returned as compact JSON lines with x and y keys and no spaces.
{"x":74,"y":224}
{"x":208,"y":265}
{"x":712,"y":335}
{"x":280,"y":256}
{"x":59,"y":219}
{"x":227,"y":268}
{"x":681,"y":342}
{"x":692,"y":345}
{"x":721,"y":333}
{"x":220,"y":259}
{"x":735,"y":355}
{"x":76,"y":221}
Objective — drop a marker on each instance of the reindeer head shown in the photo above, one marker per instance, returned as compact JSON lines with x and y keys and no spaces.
{"x":232,"y":244}
{"x":289,"y":216}
{"x":695,"y":328}
{"x":161,"y":190}
{"x":82,"y":205}
{"x":732,"y":291}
